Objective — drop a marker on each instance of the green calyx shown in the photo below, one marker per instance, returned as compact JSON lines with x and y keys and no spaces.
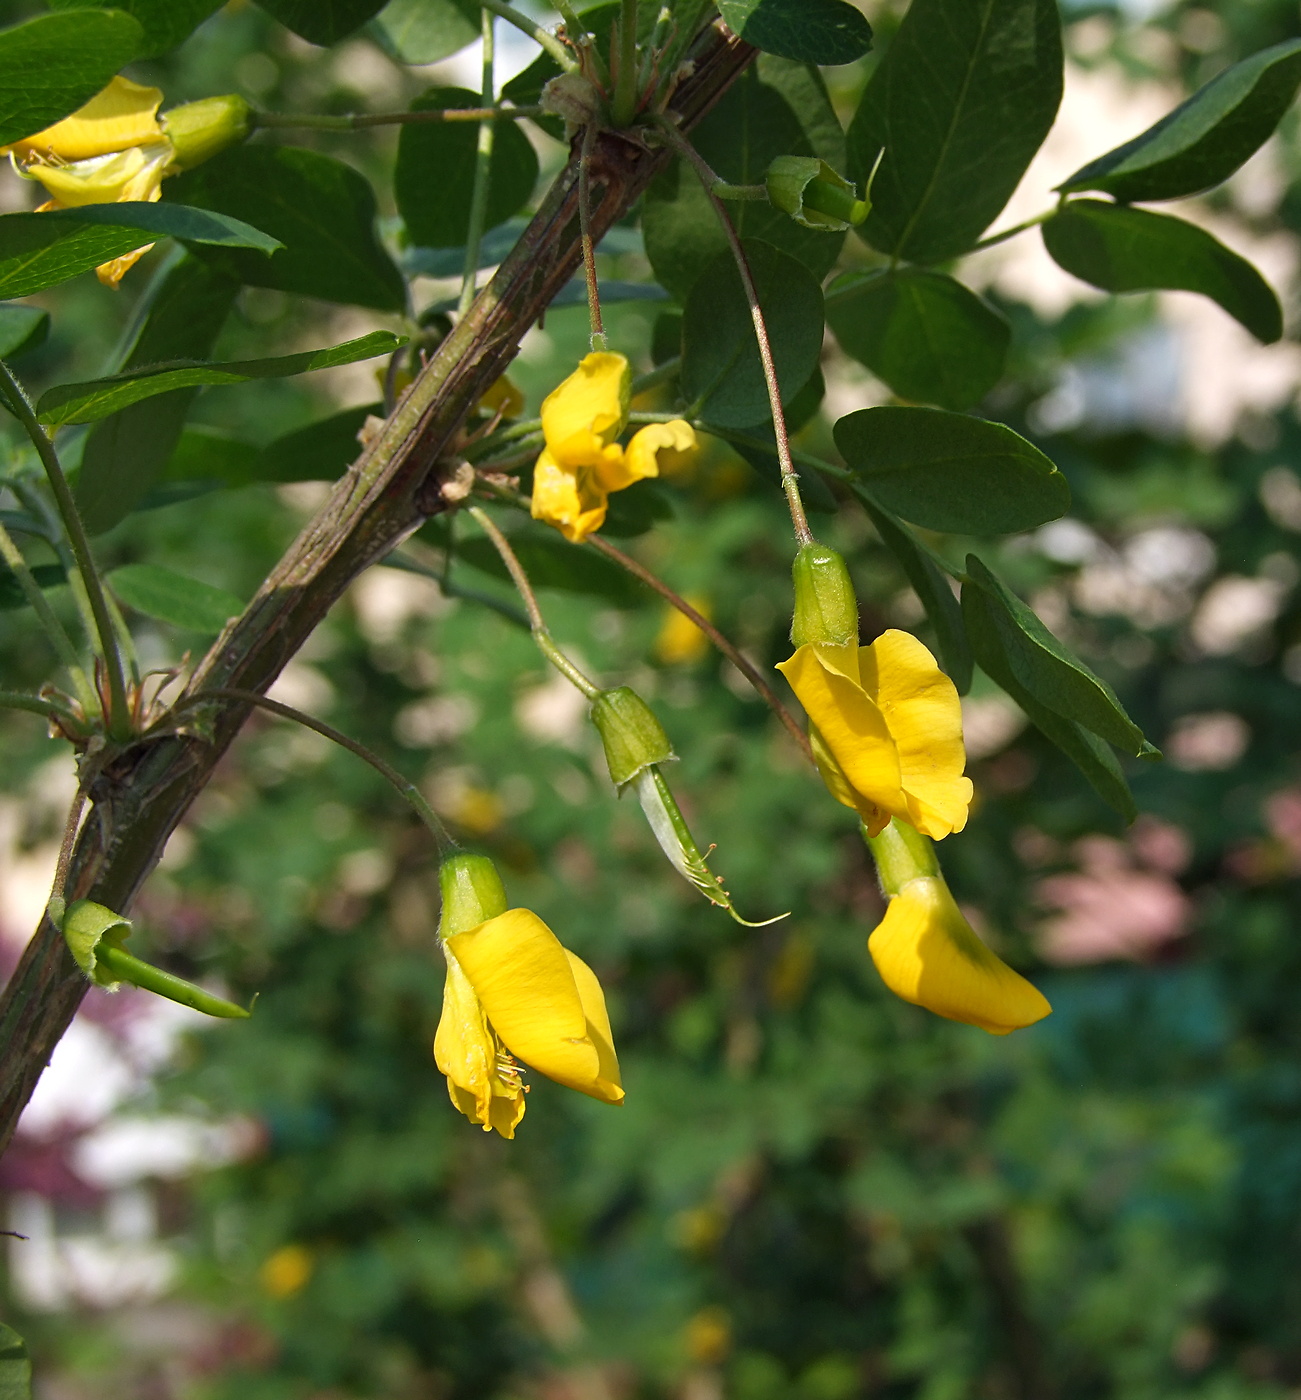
{"x":95,"y":935}
{"x":472,"y":893}
{"x":199,"y":130}
{"x":826,"y":610}
{"x":813,"y":194}
{"x":634,"y":739}
{"x":901,"y":854}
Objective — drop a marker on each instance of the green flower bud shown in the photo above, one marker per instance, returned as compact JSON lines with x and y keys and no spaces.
{"x":472,"y":893}
{"x":813,"y":194}
{"x":198,"y":130}
{"x":634,"y":739}
{"x":826,"y":610}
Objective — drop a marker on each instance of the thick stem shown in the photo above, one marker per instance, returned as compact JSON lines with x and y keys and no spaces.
{"x":50,"y":624}
{"x":118,"y":719}
{"x":70,"y":827}
{"x":733,"y":654}
{"x":625,"y":83}
{"x":535,"y":32}
{"x":409,"y":791}
{"x":597,"y":341}
{"x":790,"y":478}
{"x":141,"y":796}
{"x":362,"y":121}
{"x":482,"y":175}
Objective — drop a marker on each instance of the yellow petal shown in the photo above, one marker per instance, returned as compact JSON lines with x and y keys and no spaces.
{"x":524,"y":983}
{"x":571,"y":501}
{"x":680,"y":641}
{"x":657,"y":447}
{"x":463,"y":1047}
{"x":113,"y":271}
{"x":928,"y":954}
{"x":609,"y":1086}
{"x":924,"y":715}
{"x":133,"y":174}
{"x":851,"y":728}
{"x":593,"y":399}
{"x":874,"y":818}
{"x":504,"y":397}
{"x":124,"y":114}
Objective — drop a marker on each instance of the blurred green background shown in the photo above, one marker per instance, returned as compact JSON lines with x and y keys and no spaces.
{"x":814,"y":1190}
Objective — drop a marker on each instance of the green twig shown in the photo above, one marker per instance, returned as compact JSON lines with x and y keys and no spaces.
{"x":535,"y":31}
{"x":118,"y":719}
{"x":995,"y":238}
{"x":625,"y":82}
{"x":724,"y":190}
{"x":482,"y":175}
{"x":320,"y":121}
{"x":38,"y":705}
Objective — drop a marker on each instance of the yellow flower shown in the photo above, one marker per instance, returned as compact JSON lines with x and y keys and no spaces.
{"x":513,"y":992}
{"x":583,"y":462}
{"x":125,"y":114}
{"x":886,"y":729}
{"x":928,"y":954}
{"x":287,"y":1271}
{"x":680,"y":641}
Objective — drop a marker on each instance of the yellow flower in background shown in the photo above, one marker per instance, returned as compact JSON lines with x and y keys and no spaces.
{"x":111,"y":150}
{"x":582,"y":462}
{"x":680,"y":641}
{"x":287,"y":1271}
{"x":513,"y":992}
{"x":928,"y":954}
{"x":886,"y":728}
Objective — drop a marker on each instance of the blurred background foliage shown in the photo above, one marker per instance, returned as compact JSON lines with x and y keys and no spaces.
{"x":814,"y":1190}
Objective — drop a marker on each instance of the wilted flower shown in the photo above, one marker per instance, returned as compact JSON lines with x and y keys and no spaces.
{"x":583,"y":462}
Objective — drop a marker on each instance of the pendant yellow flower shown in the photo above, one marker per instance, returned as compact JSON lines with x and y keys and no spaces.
{"x":886,"y":727}
{"x":513,"y":992}
{"x":582,"y":462}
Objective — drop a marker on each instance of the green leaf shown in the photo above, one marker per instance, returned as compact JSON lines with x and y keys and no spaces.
{"x":960,"y":103}
{"x":126,"y":453}
{"x":551,"y":562}
{"x":948,"y":471}
{"x":205,"y":455}
{"x":721,"y":369}
{"x":809,"y":31}
{"x":1091,"y":755}
{"x":54,"y":64}
{"x":15,"y":1366}
{"x":1205,"y":139}
{"x":170,"y":597}
{"x":322,"y":22}
{"x":426,"y":31}
{"x":931,"y":585}
{"x":922,"y":333}
{"x":12,"y":597}
{"x":166,"y":23}
{"x":1009,"y":642}
{"x":322,"y":451}
{"x":1133,"y":250}
{"x":434,"y":178}
{"x":322,"y":210}
{"x":774,"y":108}
{"x":42,"y":250}
{"x":22,"y":328}
{"x":97,"y":398}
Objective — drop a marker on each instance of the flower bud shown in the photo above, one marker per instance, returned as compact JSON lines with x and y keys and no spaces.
{"x":472,"y":894}
{"x":813,"y":194}
{"x":199,"y":130}
{"x":826,"y":610}
{"x":634,"y":739}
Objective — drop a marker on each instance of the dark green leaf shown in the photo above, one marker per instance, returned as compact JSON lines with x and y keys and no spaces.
{"x":721,"y":369}
{"x":22,"y":328}
{"x":1205,"y":139}
{"x":42,"y":250}
{"x":931,"y":585}
{"x":126,"y":453}
{"x":321,"y":451}
{"x":166,"y":23}
{"x":633,"y":513}
{"x":321,"y":209}
{"x":551,"y":562}
{"x":97,"y":398}
{"x":948,"y":471}
{"x":11,"y":598}
{"x":922,"y":333}
{"x":774,"y":108}
{"x":426,"y":31}
{"x":960,"y":103}
{"x":322,"y":21}
{"x":54,"y":64}
{"x":15,"y":1366}
{"x":170,"y":597}
{"x":1133,"y":250}
{"x":1010,"y":643}
{"x":434,"y":178}
{"x":1091,"y":755}
{"x":205,"y":455}
{"x":810,"y":31}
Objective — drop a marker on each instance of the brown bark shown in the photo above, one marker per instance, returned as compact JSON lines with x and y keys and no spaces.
{"x":393,"y":487}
